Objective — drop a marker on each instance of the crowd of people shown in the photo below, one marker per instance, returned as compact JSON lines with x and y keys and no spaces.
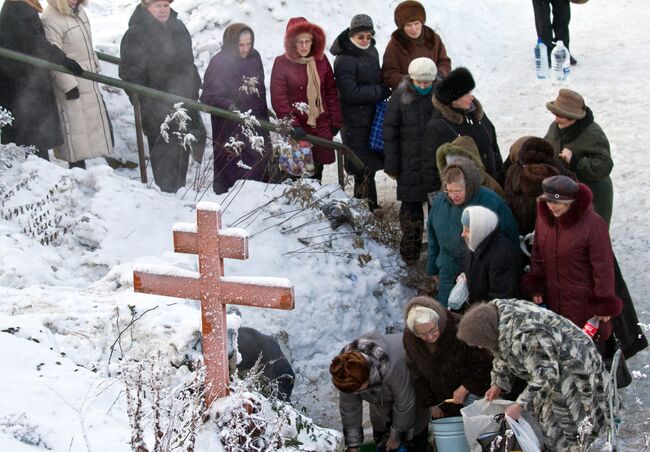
{"x":442,"y":150}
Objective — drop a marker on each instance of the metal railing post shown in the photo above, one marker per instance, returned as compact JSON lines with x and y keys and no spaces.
{"x":137,"y":113}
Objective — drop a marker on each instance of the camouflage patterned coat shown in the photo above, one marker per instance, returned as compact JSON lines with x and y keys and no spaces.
{"x":567,"y":381}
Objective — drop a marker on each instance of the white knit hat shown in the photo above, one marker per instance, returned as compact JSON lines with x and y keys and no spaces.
{"x":423,"y":69}
{"x":482,"y":222}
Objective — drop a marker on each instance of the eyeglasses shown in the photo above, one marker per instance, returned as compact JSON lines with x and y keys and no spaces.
{"x":432,"y":332}
{"x":305,"y":42}
{"x":454,"y":192}
{"x":364,"y":37}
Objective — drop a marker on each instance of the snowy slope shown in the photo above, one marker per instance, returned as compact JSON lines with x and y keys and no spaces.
{"x":73,"y":298}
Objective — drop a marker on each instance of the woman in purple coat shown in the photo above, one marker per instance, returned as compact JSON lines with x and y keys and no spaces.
{"x":234,"y":80}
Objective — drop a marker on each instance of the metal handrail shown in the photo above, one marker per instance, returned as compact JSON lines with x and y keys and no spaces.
{"x":189,"y":103}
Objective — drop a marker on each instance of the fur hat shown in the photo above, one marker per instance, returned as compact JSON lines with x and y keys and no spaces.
{"x":481,"y":222}
{"x":568,"y":104}
{"x":297,"y":25}
{"x":350,"y":370}
{"x":361,"y":22}
{"x":479,"y":327}
{"x":559,"y":189}
{"x":423,"y":69}
{"x":515,"y":148}
{"x":409,"y":11}
{"x":146,"y":3}
{"x":458,"y":83}
{"x":535,"y":147}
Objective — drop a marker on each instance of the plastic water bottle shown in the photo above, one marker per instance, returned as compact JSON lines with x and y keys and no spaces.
{"x":560,"y":62}
{"x":541,"y":59}
{"x":591,"y":327}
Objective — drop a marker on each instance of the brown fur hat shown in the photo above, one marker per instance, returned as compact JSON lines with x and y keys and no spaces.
{"x":409,"y":11}
{"x":515,"y":148}
{"x":297,"y":25}
{"x":479,"y":327}
{"x":350,"y":370}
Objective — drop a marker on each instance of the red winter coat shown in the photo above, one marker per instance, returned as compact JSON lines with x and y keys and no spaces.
{"x":572,"y":264}
{"x":289,"y":86}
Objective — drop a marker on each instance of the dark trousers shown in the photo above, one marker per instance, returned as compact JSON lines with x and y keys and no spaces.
{"x":169,"y":162}
{"x":556,"y":30}
{"x":417,"y":444}
{"x":411,"y":221}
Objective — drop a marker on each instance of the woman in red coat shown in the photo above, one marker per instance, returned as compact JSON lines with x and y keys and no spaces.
{"x":304,"y":75}
{"x":572,"y":265}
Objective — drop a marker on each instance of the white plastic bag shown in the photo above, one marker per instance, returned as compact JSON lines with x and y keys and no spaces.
{"x":478,"y":418}
{"x":459,"y":294}
{"x":525,"y":434}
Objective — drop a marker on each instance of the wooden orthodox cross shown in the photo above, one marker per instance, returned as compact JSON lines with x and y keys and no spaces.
{"x":211,"y":288}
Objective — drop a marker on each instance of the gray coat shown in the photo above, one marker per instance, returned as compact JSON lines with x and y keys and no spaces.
{"x":567,"y":380}
{"x":390,"y":392}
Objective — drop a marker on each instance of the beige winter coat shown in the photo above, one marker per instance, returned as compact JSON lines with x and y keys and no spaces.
{"x":84,"y":120}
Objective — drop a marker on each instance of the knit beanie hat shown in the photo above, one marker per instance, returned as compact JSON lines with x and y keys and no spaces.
{"x":409,"y":11}
{"x":146,"y":3}
{"x":481,"y":222}
{"x":361,"y":22}
{"x":350,"y":370}
{"x":479,"y":327}
{"x":423,"y":69}
{"x":458,"y":83}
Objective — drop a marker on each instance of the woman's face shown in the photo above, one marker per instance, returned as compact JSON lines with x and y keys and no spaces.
{"x":422,"y":84}
{"x":428,"y":332}
{"x":304,"y":42}
{"x":563,"y":122}
{"x":413,"y":29}
{"x":558,"y":208}
{"x":464,"y":103}
{"x":245,"y":44}
{"x":362,"y":39}
{"x":72,"y":3}
{"x":160,"y":10}
{"x":456,"y":192}
{"x":465,"y":234}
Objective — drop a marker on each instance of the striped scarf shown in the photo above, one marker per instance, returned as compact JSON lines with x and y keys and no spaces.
{"x":314,"y":100}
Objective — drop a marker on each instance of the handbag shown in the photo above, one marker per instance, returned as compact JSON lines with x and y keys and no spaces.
{"x":499,"y":441}
{"x":376,"y":138}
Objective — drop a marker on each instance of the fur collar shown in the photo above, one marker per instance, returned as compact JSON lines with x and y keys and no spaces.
{"x":62,"y":6}
{"x":318,"y":45}
{"x":429,"y":38}
{"x":453,"y":115}
{"x":33,"y":3}
{"x":580,"y":207}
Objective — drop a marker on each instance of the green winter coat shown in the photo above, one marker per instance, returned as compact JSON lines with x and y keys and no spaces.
{"x":446,"y":246}
{"x":591,"y":159}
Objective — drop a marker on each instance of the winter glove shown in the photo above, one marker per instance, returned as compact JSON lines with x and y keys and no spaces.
{"x":335,"y":130}
{"x":385,"y":91}
{"x":72,"y":66}
{"x":299,"y":133}
{"x":72,"y":94}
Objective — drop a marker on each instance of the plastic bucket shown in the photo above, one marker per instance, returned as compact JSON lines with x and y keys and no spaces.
{"x":449,"y":434}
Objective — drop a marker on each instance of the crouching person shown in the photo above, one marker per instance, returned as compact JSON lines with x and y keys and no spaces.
{"x":373,"y":369}
{"x":441,"y":365}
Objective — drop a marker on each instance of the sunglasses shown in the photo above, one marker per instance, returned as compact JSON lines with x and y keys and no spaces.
{"x":364,"y":37}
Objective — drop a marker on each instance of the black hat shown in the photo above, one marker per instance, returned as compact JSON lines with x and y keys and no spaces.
{"x":559,"y":189}
{"x":361,"y":22}
{"x":458,"y":83}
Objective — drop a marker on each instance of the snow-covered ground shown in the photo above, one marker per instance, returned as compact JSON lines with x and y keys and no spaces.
{"x":63,"y":306}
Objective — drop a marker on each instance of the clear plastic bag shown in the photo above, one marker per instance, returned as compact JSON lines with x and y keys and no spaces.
{"x":297,"y":158}
{"x":459,"y":295}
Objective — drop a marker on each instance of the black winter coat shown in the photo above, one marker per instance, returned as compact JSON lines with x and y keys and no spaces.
{"x":405,"y":155}
{"x":159,"y":55}
{"x":25,"y":90}
{"x":493,"y":270}
{"x":447,"y":124}
{"x":359,"y":86}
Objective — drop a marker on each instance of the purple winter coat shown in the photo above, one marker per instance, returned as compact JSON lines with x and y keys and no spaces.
{"x":222,"y":88}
